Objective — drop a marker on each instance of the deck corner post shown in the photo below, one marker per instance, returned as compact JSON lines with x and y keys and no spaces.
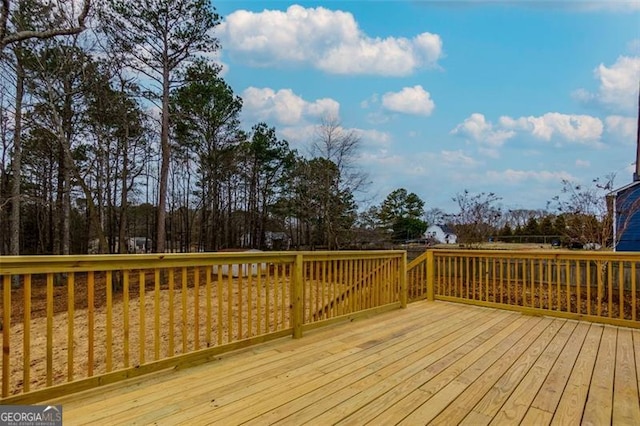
{"x":431,"y":274}
{"x":296,"y":296}
{"x":403,"y":281}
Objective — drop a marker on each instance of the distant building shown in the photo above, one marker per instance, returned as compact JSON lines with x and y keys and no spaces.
{"x":272,"y":240}
{"x":442,"y":234}
{"x":625,"y":203}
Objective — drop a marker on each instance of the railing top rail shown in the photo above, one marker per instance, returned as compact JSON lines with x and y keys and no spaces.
{"x":540,"y":254}
{"x":10,"y":265}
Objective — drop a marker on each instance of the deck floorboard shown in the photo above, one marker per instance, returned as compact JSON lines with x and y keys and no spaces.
{"x":434,"y":362}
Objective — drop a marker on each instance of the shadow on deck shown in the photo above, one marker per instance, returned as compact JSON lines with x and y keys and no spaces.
{"x":434,"y":362}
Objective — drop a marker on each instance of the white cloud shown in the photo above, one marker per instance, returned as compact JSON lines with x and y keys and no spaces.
{"x":382,"y":158}
{"x":583,"y":163}
{"x":512,"y":176}
{"x":370,"y":101}
{"x":489,"y":152}
{"x":284,"y":106}
{"x":329,"y":40}
{"x":476,"y":127}
{"x":623,"y":127}
{"x":582,"y":129}
{"x":372,"y":137}
{"x":300,"y":136}
{"x":583,"y":96}
{"x":571,"y":127}
{"x":409,"y":100}
{"x":457,"y":158}
{"x":622,"y":6}
{"x":619,"y":83}
{"x":633,"y":46}
{"x":618,"y":88}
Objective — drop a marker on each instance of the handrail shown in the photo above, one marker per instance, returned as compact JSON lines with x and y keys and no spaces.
{"x":596,"y":286}
{"x":104,"y":318}
{"x":344,"y":295}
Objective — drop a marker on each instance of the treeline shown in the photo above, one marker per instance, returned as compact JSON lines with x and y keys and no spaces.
{"x":125,"y":137}
{"x":118,"y":133}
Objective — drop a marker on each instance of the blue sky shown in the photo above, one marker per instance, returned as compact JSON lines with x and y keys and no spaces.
{"x":505,"y":97}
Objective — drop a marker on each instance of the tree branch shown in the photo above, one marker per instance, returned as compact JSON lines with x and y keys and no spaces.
{"x":5,"y":39}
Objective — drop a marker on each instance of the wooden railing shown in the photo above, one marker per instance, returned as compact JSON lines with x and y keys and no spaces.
{"x":596,"y":286}
{"x":71,"y":323}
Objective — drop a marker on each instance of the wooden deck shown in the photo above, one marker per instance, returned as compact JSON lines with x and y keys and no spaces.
{"x":434,"y":362}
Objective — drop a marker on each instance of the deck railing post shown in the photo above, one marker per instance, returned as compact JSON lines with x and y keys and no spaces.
{"x":404,"y":291}
{"x":431,"y":274}
{"x":296,"y":296}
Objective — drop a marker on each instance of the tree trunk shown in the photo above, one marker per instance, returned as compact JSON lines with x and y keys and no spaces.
{"x":17,"y":159}
{"x":164,"y":166}
{"x":124,"y":194}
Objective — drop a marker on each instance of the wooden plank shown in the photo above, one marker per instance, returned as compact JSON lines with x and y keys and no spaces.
{"x":600,"y":400}
{"x":183,"y":306}
{"x":636,"y":351}
{"x":525,"y":351}
{"x":196,"y":309}
{"x":550,"y":392}
{"x":354,"y":368}
{"x":332,"y":406}
{"x":536,"y":417}
{"x":198,"y":395}
{"x":429,"y":354}
{"x":156,"y":314}
{"x":250,"y":310}
{"x":571,"y":404}
{"x":234,"y":379}
{"x":186,"y":360}
{"x":474,"y":419}
{"x":125,"y":314}
{"x":90,"y":322}
{"x":440,"y":374}
{"x":142,"y":319}
{"x":230,"y":304}
{"x":536,"y":311}
{"x":70,"y":326}
{"x":233,"y":368}
{"x":109,"y":324}
{"x":529,"y":366}
{"x":49,"y":373}
{"x":450,"y":383}
{"x":516,"y":406}
{"x":259,"y":304}
{"x":6,"y":334}
{"x":220,"y":300}
{"x":626,"y":401}
{"x":372,"y":400}
{"x":26,"y":342}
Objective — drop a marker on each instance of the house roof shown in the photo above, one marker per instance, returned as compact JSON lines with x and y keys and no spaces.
{"x":446,"y":229}
{"x":615,"y":192}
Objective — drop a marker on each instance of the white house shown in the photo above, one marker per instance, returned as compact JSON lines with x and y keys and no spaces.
{"x":441,"y":233}
{"x":240,"y":270}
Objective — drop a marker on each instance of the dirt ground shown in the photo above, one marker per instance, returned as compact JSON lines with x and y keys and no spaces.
{"x":265,"y":308}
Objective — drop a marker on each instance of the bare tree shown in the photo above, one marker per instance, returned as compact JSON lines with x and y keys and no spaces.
{"x":587,"y":217}
{"x":340,"y":146}
{"x":68,"y":20}
{"x":435,"y":216}
{"x":478,"y":216}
